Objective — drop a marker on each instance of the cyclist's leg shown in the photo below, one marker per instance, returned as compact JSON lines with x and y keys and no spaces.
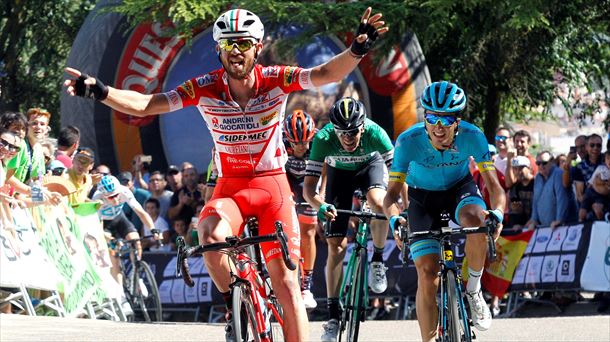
{"x":424,"y":211}
{"x":219,"y":218}
{"x":339,"y":192}
{"x":127,"y":231}
{"x":308,"y":251}
{"x":270,"y":197}
{"x":469,"y":212}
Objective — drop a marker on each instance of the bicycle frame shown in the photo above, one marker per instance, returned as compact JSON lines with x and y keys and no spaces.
{"x":360,"y":242}
{"x":447,"y":263}
{"x":247,"y":272}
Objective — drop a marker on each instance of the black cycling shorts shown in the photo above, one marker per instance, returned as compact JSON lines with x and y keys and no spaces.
{"x":341,"y":184}
{"x":426,"y":206}
{"x":119,"y":226}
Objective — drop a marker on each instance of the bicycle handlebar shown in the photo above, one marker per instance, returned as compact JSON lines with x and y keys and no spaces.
{"x":233,"y":243}
{"x":361,"y":214}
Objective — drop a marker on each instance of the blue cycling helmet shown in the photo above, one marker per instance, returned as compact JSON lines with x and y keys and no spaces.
{"x":108,"y":184}
{"x":443,"y":97}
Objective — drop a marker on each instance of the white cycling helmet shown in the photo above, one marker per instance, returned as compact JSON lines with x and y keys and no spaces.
{"x":238,"y":23}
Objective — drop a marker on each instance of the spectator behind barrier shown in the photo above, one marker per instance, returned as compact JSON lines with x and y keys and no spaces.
{"x":152,"y":207}
{"x":522,"y":140}
{"x":521,"y":193}
{"x":596,"y":198}
{"x":67,"y":144}
{"x":584,"y":170}
{"x":157,"y":186}
{"x":141,"y":195}
{"x":184,"y":201}
{"x":550,"y":202}
{"x":503,"y":144}
{"x":173,"y":176}
{"x":79,"y":175}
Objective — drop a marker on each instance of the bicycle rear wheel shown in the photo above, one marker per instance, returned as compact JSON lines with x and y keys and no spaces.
{"x":455,"y":326}
{"x":244,"y":316}
{"x":150,"y":297}
{"x":358,"y":296}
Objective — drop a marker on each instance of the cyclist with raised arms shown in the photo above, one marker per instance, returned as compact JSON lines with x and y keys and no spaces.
{"x":299,"y":130}
{"x":243,"y":106}
{"x":356,"y":152}
{"x":433,"y":157}
{"x":113,"y":197}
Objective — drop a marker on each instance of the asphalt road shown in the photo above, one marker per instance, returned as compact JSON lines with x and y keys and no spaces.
{"x":26,"y":328}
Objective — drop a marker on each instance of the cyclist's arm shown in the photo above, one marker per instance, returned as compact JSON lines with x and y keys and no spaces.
{"x":309,"y":192}
{"x":497,"y":195}
{"x":390,"y":201}
{"x":137,"y":104}
{"x":143,"y":215}
{"x":335,"y":69}
{"x":342,"y":64}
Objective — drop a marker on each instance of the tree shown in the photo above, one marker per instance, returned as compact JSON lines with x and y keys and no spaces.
{"x":35,"y":39}
{"x":507,"y":54}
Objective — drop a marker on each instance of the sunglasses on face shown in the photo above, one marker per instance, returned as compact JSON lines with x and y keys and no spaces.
{"x":595,"y":145}
{"x":10,"y":147}
{"x":111,"y":197}
{"x":543,"y":163}
{"x":242,"y":45}
{"x":347,"y":134}
{"x":445,"y":120}
{"x":501,"y":138}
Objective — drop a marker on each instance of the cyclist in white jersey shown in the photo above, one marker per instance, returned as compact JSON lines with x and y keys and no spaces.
{"x":243,"y":106}
{"x":113,"y":197}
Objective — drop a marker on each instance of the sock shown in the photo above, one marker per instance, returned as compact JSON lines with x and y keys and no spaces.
{"x":226,"y":296}
{"x":307,"y":276}
{"x":377,"y":254}
{"x":474,"y":280}
{"x":333,"y":308}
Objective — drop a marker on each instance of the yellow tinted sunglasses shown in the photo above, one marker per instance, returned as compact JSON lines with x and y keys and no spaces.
{"x":242,"y":45}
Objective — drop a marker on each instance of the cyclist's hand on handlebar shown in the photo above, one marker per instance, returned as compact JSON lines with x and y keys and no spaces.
{"x":396,"y":222}
{"x":327,"y":212}
{"x":498,"y":216}
{"x":156,"y":233}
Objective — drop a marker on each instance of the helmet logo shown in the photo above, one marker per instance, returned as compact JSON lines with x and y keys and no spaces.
{"x":346,"y":109}
{"x":234,"y":20}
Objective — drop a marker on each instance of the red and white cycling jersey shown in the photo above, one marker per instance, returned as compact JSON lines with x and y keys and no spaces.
{"x":248,"y":142}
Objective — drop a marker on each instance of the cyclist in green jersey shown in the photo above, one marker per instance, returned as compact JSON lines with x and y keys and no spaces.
{"x":357,"y":153}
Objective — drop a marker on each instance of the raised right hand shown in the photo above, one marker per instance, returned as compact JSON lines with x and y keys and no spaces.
{"x":85,"y":85}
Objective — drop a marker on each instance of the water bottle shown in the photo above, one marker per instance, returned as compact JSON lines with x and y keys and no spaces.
{"x":36,"y":190}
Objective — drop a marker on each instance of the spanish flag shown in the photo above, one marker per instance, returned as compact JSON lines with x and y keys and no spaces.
{"x":498,"y":274}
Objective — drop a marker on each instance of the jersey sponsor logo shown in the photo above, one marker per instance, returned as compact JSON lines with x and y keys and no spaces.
{"x":486,"y":166}
{"x":398,"y":177}
{"x":187,"y":89}
{"x":289,"y":75}
{"x":205,"y":80}
{"x":174,"y":99}
{"x":271,"y":71}
{"x":266,"y":119}
{"x":237,"y":124}
{"x":215,"y":122}
{"x":243,"y":137}
{"x":259,"y":99}
{"x":305,"y":78}
{"x":236,"y":149}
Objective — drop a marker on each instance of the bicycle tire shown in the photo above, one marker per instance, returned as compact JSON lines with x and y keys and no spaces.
{"x":346,"y":293}
{"x":152,"y":309}
{"x":358,"y":297}
{"x":454,"y":326}
{"x":244,"y":317}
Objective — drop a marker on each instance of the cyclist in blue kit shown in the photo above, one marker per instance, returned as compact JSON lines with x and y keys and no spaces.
{"x":432,"y":158}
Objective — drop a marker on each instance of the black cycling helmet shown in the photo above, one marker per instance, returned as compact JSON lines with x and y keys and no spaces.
{"x":347,"y":114}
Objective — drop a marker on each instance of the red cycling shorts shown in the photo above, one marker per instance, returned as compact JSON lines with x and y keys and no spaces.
{"x":268,"y":198}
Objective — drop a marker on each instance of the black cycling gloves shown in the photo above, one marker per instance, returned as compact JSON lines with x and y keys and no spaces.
{"x":97,"y":91}
{"x":361,"y":49}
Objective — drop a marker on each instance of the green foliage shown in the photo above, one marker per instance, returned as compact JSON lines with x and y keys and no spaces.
{"x":35,"y":40}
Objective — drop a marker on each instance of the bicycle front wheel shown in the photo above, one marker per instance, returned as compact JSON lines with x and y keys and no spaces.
{"x":358,"y":296}
{"x":149,"y":294}
{"x":455,"y":326}
{"x":244,"y":316}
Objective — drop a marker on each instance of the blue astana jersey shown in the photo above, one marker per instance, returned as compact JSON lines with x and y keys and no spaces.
{"x":424,"y":167}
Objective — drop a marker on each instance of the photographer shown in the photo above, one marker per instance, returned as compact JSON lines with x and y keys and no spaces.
{"x":184,"y":201}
